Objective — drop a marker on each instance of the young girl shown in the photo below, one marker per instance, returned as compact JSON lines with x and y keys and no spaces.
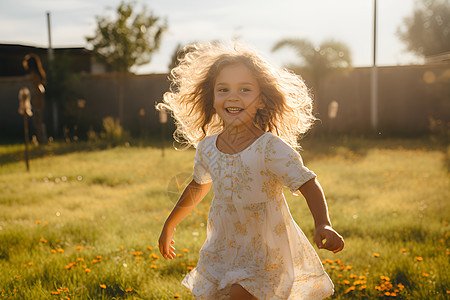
{"x":244,"y":117}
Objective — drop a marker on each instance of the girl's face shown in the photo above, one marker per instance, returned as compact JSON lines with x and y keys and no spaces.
{"x":236,"y":95}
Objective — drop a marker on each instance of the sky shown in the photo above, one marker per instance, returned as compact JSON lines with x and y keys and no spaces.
{"x":259,"y":23}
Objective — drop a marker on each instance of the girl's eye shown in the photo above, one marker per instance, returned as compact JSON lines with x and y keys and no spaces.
{"x":224,"y":90}
{"x":245,"y":90}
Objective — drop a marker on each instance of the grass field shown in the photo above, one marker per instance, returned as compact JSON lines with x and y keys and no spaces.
{"x":84,"y":222}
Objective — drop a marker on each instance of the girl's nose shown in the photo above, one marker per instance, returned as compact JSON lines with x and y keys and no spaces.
{"x":233,"y":96}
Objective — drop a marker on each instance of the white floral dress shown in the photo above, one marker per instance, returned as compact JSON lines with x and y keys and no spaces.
{"x":252,"y":238}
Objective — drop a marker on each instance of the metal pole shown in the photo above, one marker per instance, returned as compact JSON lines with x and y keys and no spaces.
{"x":25,"y":126}
{"x":162,"y":138}
{"x":374,"y":75}
{"x":162,"y":121}
{"x":50,"y":49}
{"x":50,"y":64}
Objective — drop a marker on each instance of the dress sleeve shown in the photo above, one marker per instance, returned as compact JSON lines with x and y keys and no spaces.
{"x":201,"y":173}
{"x":286,"y":164}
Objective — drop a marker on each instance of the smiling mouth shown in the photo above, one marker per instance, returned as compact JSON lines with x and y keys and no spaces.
{"x":234,"y":110}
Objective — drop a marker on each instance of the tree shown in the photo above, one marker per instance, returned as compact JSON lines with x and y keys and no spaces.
{"x":127,"y":40}
{"x":427,"y":31}
{"x":317,"y":62}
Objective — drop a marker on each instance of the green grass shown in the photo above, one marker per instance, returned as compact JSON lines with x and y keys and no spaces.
{"x":104,"y":208}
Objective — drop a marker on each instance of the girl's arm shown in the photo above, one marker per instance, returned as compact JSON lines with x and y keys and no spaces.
{"x":191,"y":196}
{"x":313,"y":193}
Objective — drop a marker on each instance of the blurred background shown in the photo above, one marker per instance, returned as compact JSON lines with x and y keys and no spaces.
{"x":79,"y":81}
{"x":373,"y":67}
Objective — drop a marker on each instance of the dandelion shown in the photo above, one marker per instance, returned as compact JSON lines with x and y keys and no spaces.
{"x":137,"y":253}
{"x":95,"y":261}
{"x":179,"y":255}
{"x":99,"y":257}
{"x":121,"y":247}
{"x":329,"y":261}
{"x":38,"y":222}
{"x":30,"y":263}
{"x":70,"y":266}
{"x":353,"y":276}
{"x":153,"y":267}
{"x":425,"y":274}
{"x":403,"y":250}
{"x":376,"y":255}
{"x":190,"y":268}
{"x":176,"y":296}
{"x":128,"y":290}
{"x":346,"y":282}
{"x":53,"y":250}
{"x":154,"y":256}
{"x":80,"y":259}
{"x":418,"y":258}
{"x":139,"y":258}
{"x":387,"y":293}
{"x":87,"y":270}
{"x":349,"y":267}
{"x":60,"y":250}
{"x":352,"y":288}
{"x":43,"y":241}
{"x":362,"y":287}
{"x":79,"y":247}
{"x":16,"y":276}
{"x":185,"y":250}
{"x":103,"y":286}
{"x":149,"y":248}
{"x":54,"y":293}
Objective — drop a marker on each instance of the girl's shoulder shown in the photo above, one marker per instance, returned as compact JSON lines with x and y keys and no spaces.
{"x":277,"y":145}
{"x":274,"y":140}
{"x":206,"y":141}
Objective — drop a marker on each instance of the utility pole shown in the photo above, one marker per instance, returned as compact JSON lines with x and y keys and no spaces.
{"x":374,"y":75}
{"x":50,"y":67}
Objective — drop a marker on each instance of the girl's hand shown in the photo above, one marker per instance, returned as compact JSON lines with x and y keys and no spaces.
{"x":334,"y":241}
{"x":165,"y":241}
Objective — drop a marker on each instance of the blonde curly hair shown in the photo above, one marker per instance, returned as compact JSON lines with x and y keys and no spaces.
{"x":288,"y":104}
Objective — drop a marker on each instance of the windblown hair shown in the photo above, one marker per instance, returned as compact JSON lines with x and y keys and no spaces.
{"x":288,"y":105}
